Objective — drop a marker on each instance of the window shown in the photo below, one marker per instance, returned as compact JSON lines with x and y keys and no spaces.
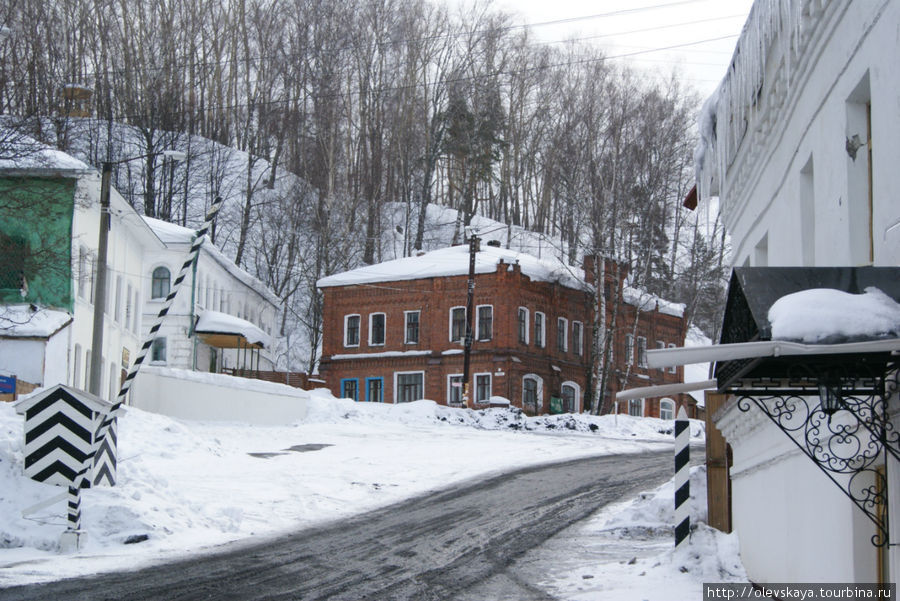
{"x":412,"y":327}
{"x":629,"y":349}
{"x":375,"y":390}
{"x":113,"y":382}
{"x":350,"y":389}
{"x":87,"y":370}
{"x":376,"y":329}
{"x":531,"y":393}
{"x":661,"y":345}
{"x":76,"y":370}
{"x":15,"y":251}
{"x":562,"y":334}
{"x":457,"y":324}
{"x":137,"y":312}
{"x":570,"y":398}
{"x":351,"y":330}
{"x":539,"y":329}
{"x":410,"y":386}
{"x":636,"y":407}
{"x":129,"y":308}
{"x":158,"y":350}
{"x":523,"y":325}
{"x":673,"y":368}
{"x":83,"y":270}
{"x":160,"y":284}
{"x":642,"y":351}
{"x":454,"y":389}
{"x":667,"y":409}
{"x":578,"y":338}
{"x":482,"y":388}
{"x":118,"y":313}
{"x":485,"y":326}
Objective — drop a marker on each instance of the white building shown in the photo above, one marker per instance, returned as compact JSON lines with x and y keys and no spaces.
{"x":800,"y":144}
{"x":46,"y":338}
{"x":233,"y":313}
{"x":49,"y":231}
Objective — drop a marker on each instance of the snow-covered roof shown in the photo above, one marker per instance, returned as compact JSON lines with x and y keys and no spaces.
{"x":21,"y":321}
{"x":172,"y":234}
{"x":27,"y":154}
{"x":648,"y":302}
{"x":214,"y":322}
{"x":454,"y":261}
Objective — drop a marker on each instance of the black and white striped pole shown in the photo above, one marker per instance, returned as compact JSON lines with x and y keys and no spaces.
{"x":682,"y":477}
{"x":103,"y":430}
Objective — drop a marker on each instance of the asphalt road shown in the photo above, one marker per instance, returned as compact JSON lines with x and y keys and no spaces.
{"x":441,"y":546}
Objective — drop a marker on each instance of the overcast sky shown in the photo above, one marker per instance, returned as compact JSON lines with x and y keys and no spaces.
{"x":705,"y":31}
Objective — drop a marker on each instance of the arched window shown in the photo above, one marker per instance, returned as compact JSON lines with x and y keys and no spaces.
{"x":160,"y":283}
{"x":667,"y":409}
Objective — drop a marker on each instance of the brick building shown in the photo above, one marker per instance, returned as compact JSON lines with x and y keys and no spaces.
{"x":393,"y":332}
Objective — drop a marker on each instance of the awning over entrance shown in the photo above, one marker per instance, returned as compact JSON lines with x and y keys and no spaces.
{"x":221,"y":330}
{"x":846,"y":334}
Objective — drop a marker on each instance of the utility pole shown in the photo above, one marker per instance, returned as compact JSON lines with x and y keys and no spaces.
{"x":100,"y":283}
{"x":474,"y":247}
{"x":102,"y":252}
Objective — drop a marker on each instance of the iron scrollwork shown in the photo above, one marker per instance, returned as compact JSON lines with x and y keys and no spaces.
{"x":848,"y":445}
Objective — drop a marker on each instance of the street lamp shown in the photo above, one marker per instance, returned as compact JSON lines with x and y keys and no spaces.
{"x":830,"y":394}
{"x":102,"y":251}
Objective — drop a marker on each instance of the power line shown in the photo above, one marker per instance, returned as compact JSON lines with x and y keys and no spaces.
{"x":337,"y":95}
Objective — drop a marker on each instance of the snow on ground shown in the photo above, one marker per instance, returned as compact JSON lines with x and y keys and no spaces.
{"x":190,"y":486}
{"x":626,"y":552}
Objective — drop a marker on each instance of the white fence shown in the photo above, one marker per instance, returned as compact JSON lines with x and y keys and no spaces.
{"x":204,"y":396}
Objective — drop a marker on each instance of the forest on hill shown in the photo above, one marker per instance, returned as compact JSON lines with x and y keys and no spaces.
{"x":316,"y":118}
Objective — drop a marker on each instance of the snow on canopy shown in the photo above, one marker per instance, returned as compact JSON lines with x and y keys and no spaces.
{"x":22,"y":321}
{"x":828,"y":315}
{"x":221,"y":323}
{"x":171,"y":233}
{"x":455,"y":261}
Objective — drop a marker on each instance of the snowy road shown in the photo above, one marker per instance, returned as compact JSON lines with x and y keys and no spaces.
{"x":448,"y":545}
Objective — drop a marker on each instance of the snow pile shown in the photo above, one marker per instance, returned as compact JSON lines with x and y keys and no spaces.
{"x":325,"y":409}
{"x":626,"y":552}
{"x":825,"y":315}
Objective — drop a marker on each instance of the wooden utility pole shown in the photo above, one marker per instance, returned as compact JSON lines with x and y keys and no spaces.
{"x":474,"y":247}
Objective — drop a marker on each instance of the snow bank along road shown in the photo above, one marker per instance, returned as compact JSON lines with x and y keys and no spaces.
{"x":435,"y":546}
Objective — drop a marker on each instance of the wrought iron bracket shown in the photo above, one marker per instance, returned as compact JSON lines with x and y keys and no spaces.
{"x":850,"y":445}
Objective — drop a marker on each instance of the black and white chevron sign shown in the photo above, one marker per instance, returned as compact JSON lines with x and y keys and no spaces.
{"x":682,"y":476}
{"x":59,"y":436}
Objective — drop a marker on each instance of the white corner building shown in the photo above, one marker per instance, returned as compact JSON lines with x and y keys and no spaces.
{"x":801,"y":144}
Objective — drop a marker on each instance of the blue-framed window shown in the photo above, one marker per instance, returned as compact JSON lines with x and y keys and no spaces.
{"x":375,"y":390}
{"x":350,"y":388}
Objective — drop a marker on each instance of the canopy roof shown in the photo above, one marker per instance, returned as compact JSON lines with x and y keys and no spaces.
{"x":221,"y":330}
{"x":834,"y":302}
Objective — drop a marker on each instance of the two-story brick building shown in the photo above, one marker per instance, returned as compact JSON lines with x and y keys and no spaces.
{"x":393,"y":332}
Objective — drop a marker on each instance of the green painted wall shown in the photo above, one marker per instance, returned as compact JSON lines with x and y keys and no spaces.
{"x":36,"y":239}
